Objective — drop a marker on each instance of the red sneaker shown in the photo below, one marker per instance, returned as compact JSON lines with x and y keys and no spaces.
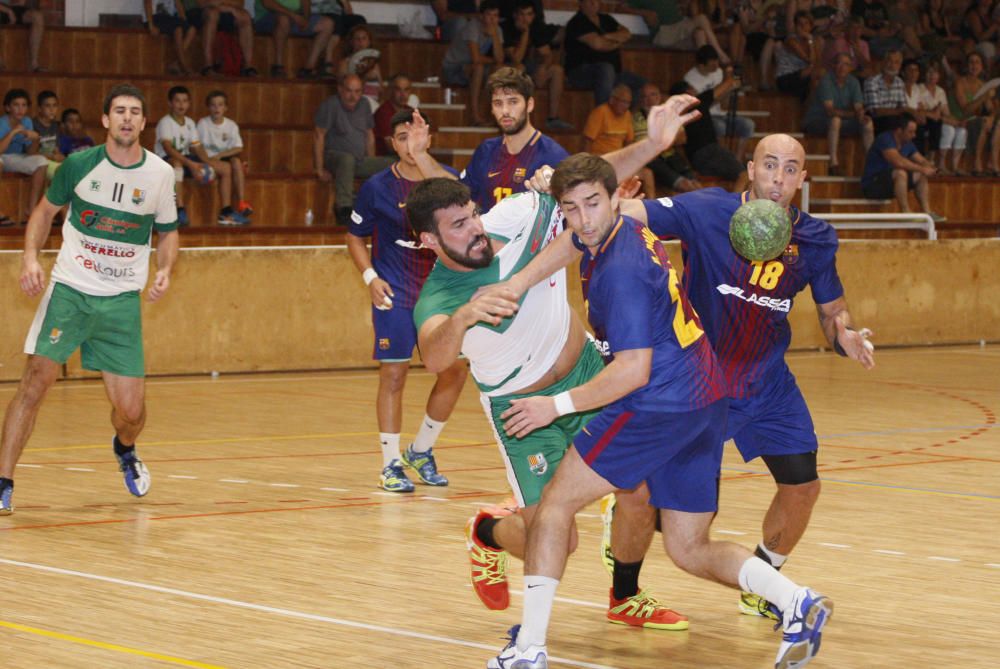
{"x":489,"y":568}
{"x":641,"y":610}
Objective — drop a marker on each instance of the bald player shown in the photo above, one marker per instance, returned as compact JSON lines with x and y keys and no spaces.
{"x":744,"y":308}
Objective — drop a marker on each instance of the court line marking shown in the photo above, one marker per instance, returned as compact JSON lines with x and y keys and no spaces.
{"x":108,"y":646}
{"x":883,"y":551}
{"x":288,"y":613}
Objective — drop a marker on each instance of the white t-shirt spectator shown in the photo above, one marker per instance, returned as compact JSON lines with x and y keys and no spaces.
{"x":936,"y":101}
{"x":702,"y":82}
{"x":915,"y":96}
{"x":183,"y":137}
{"x":217,"y":138}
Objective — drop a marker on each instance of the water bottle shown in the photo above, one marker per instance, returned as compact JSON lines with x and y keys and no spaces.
{"x":447,"y":96}
{"x":309,"y":216}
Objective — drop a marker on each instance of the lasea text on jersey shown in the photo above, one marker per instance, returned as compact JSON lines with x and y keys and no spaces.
{"x":771,"y":303}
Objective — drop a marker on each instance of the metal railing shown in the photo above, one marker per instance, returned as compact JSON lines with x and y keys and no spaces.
{"x":880,"y":221}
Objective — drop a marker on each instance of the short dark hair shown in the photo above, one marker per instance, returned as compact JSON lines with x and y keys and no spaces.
{"x":405,"y":115}
{"x":45,"y":95}
{"x":216,"y":94}
{"x":69,"y":112}
{"x":905,"y":119}
{"x":16,"y":94}
{"x":508,"y":77}
{"x":487,"y":5}
{"x":430,"y":195}
{"x":705,"y":54}
{"x":582,"y":168}
{"x":524,"y":4}
{"x":799,"y":14}
{"x":679,"y":88}
{"x":124,"y":91}
{"x":177,"y":90}
{"x":399,"y":75}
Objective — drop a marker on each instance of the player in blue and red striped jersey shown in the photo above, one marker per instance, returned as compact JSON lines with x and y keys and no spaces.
{"x":502,"y":165}
{"x":663,"y":418}
{"x":394,"y":272}
{"x":744,"y":306}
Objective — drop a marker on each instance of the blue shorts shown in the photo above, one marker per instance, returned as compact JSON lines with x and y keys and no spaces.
{"x":775,"y":421}
{"x":678,"y":455}
{"x":395,"y":334}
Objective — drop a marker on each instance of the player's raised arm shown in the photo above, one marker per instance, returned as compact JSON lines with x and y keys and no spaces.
{"x":845,"y":340}
{"x":418,"y":142}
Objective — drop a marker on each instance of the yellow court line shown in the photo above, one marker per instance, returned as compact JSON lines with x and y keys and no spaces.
{"x":231,"y":440}
{"x":108,"y":646}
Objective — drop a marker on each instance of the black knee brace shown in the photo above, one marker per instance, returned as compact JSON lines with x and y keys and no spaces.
{"x":792,"y":469}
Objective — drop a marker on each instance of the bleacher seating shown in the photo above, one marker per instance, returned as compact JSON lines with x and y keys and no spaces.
{"x":276,"y":115}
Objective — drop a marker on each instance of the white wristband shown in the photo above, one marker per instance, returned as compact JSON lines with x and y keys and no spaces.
{"x":564,"y":404}
{"x":369,"y":275}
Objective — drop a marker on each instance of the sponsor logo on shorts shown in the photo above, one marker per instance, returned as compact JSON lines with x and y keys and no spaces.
{"x":55,"y":336}
{"x":772,"y":303}
{"x":384,"y":343}
{"x":666,"y":202}
{"x":538,"y":464}
{"x":356,"y":217}
{"x":138,"y":196}
{"x":106,"y":271}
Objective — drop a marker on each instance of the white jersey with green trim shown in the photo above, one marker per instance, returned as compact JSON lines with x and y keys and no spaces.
{"x":514,"y":355}
{"x":112,"y":213}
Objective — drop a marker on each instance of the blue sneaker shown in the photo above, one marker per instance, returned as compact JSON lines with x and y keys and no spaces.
{"x":136,"y":475}
{"x":424,"y":465}
{"x":393,"y":479}
{"x":6,"y":493}
{"x":534,"y":657}
{"x":803,"y":625}
{"x":182,"y":217}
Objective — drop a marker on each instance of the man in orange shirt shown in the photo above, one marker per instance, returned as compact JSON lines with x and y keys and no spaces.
{"x":609,"y":128}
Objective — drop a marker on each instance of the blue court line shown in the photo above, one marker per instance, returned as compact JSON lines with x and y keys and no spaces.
{"x":915,"y":430}
{"x":868,"y":484}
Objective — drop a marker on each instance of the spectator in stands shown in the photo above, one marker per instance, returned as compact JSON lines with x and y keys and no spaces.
{"x":671,"y":26}
{"x":827,"y":17}
{"x":13,"y":12}
{"x":47,"y":126}
{"x":837,"y":110}
{"x":934,"y":105}
{"x":977,"y":110}
{"x":341,"y":12}
{"x":170,"y":19}
{"x":708,"y":73}
{"x":293,"y":17}
{"x":669,"y":169}
{"x":935,"y":33}
{"x":878,"y":29}
{"x":528,"y":47}
{"x":594,"y":52}
{"x":884,"y":95}
{"x":400,"y":96}
{"x":361,"y":59}
{"x":894,"y":167}
{"x":220,"y":137}
{"x":73,"y":137}
{"x":178,"y":143}
{"x":472,"y":56}
{"x":453,"y":16}
{"x":798,"y":59}
{"x":344,"y":144}
{"x":703,"y":150}
{"x":981,"y":29}
{"x":904,"y":15}
{"x":913,"y":95}
{"x":209,"y":17}
{"x":609,"y":128}
{"x":849,"y":41}
{"x":19,"y":143}
{"x":753,"y":30}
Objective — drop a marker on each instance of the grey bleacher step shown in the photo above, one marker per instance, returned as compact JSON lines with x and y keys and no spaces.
{"x":451,"y":152}
{"x":847,"y":201}
{"x":834,"y":180}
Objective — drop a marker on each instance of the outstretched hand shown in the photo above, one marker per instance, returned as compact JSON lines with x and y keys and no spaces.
{"x":418,"y":135}
{"x":856,"y":345}
{"x":666,"y":120}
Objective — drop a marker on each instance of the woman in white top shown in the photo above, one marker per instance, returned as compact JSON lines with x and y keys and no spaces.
{"x":934,"y":104}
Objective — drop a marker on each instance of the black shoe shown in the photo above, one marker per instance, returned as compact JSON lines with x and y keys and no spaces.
{"x":343,"y":216}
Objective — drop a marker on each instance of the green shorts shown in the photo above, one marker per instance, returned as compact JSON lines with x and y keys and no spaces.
{"x":107,"y":330}
{"x":532,"y":461}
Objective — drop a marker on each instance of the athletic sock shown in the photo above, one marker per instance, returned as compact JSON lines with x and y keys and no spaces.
{"x":484,"y":532}
{"x":5,"y":481}
{"x":539,"y":594}
{"x":390,"y":447}
{"x":760,"y":578}
{"x":428,"y":433}
{"x":122,"y":449}
{"x":776,"y":560}
{"x":625,"y":579}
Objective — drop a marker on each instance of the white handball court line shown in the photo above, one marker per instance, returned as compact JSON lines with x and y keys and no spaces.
{"x":288,"y":613}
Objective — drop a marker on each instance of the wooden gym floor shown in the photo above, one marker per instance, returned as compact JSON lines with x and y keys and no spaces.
{"x":265,"y":543}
